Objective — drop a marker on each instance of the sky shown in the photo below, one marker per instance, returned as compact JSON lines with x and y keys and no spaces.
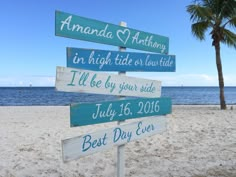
{"x":30,"y":51}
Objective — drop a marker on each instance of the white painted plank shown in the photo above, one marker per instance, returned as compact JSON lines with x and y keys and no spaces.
{"x":78,"y":80}
{"x":90,"y":143}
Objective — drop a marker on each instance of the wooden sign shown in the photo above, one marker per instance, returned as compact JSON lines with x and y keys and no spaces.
{"x":104,"y":60}
{"x":95,"y":113}
{"x":76,"y":27}
{"x":75,"y":80}
{"x":89,"y":143}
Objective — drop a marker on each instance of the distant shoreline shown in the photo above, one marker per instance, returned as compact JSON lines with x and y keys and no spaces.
{"x":49,"y":96}
{"x":54,"y":86}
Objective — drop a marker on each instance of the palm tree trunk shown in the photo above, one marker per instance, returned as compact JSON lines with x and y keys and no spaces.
{"x":220,"y":76}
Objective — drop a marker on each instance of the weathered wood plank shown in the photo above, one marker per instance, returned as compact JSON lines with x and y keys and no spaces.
{"x":90,"y":143}
{"x":72,"y":26}
{"x":105,"y":60}
{"x":95,"y":113}
{"x":75,"y":80}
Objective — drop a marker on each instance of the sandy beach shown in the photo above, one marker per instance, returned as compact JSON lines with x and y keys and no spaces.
{"x":200,"y":141}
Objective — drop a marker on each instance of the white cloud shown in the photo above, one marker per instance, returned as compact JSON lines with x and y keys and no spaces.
{"x":190,"y":79}
{"x":27,"y":81}
{"x":167,"y":80}
{"x":230,"y":80}
{"x":207,"y":77}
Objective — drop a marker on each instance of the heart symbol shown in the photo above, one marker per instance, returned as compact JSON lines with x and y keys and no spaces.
{"x":123,"y":35}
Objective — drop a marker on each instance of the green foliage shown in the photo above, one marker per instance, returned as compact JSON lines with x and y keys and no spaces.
{"x":199,"y":29}
{"x":217,"y":15}
{"x":229,"y":38}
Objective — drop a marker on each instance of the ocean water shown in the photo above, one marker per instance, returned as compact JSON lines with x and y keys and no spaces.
{"x":48,"y":96}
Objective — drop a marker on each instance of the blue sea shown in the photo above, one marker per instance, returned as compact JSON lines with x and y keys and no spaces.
{"x":48,"y":96}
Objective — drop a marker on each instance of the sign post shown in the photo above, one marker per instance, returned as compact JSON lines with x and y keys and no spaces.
{"x":82,"y":75}
{"x":121,"y":148}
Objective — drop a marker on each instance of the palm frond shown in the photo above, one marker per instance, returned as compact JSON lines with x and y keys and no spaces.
{"x":199,"y":13}
{"x":199,"y":29}
{"x":229,"y":38}
{"x":232,"y":21}
{"x":207,"y":3}
{"x":228,"y":8}
{"x":215,"y":15}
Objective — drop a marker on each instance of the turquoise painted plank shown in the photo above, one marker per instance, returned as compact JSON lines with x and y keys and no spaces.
{"x":76,"y":27}
{"x":89,"y":143}
{"x":95,"y":113}
{"x":105,"y":60}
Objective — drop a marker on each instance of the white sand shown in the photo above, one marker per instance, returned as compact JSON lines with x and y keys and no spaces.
{"x":200,"y":142}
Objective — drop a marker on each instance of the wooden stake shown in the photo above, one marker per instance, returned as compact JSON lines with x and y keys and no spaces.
{"x":121,"y":148}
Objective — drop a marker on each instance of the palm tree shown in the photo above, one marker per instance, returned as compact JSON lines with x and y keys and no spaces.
{"x":215,"y":16}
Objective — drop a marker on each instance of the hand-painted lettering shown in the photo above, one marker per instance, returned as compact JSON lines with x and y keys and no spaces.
{"x":94,"y":83}
{"x":110,"y":85}
{"x":148,"y":88}
{"x":104,"y":112}
{"x":146,"y":129}
{"x":119,"y":135}
{"x":89,"y":143}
